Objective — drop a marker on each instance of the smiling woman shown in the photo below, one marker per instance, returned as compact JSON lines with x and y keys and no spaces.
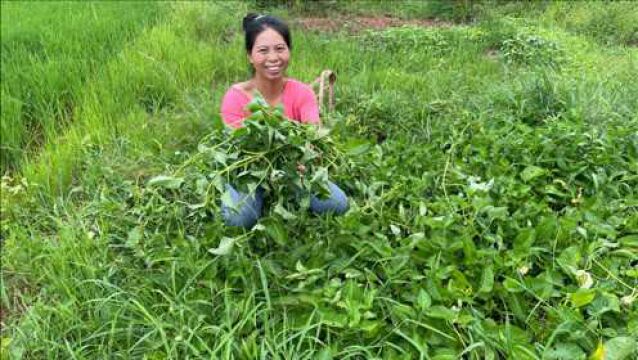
{"x":268,"y":46}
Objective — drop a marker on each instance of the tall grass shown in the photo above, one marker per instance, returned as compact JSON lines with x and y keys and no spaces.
{"x":50,"y":51}
{"x":402,"y":274}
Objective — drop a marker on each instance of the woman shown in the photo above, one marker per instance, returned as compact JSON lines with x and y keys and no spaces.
{"x":268,"y":46}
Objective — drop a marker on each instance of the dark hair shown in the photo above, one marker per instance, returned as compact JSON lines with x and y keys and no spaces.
{"x":253,"y":24}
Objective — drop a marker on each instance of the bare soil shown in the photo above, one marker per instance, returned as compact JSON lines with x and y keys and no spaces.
{"x":360,"y":23}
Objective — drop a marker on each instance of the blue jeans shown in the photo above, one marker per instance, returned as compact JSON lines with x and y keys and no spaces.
{"x":247,"y":208}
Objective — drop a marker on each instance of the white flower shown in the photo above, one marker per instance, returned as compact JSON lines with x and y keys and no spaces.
{"x":584,"y":279}
{"x":627,"y":300}
{"x":523,"y":270}
{"x":475,"y":185}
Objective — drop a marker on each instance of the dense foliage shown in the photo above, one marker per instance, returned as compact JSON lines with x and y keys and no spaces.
{"x":491,"y":174}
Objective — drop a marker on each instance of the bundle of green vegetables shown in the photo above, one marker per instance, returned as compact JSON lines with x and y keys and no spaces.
{"x":288,"y":160}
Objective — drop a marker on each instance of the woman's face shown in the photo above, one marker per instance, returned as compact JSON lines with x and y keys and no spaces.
{"x":270,"y":55}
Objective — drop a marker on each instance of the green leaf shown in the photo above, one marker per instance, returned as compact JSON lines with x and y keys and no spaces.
{"x":416,"y":237}
{"x":569,"y":259}
{"x":225,"y":246}
{"x":524,"y":241}
{"x":370,"y":327}
{"x":487,"y":279}
{"x":276,"y":230}
{"x":220,"y":157}
{"x":441,"y":312}
{"x":445,"y":354}
{"x":352,"y":273}
{"x":321,"y":132}
{"x":320,"y":175}
{"x":532,"y":172}
{"x":629,"y":241}
{"x":285,"y":214}
{"x":495,"y":213}
{"x":620,"y":348}
{"x":582,"y":297}
{"x":547,"y":228}
{"x":423,"y":209}
{"x":324,"y":354}
{"x":512,"y":285}
{"x":424,"y":300}
{"x":356,"y":147}
{"x":333,"y":318}
{"x":5,"y":342}
{"x":542,"y":285}
{"x":134,"y":237}
{"x":523,"y":351}
{"x":241,"y":132}
{"x":604,"y":303}
{"x":167,"y":182}
{"x":10,"y":349}
{"x":565,"y":351}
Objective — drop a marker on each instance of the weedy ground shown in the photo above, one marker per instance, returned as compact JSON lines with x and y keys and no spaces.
{"x":494,"y":210}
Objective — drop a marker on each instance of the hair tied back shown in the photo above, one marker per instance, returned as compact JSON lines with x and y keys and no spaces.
{"x":249,"y":18}
{"x":253,"y":24}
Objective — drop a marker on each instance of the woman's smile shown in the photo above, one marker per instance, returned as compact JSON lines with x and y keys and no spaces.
{"x":270,"y":55}
{"x":273,"y":70}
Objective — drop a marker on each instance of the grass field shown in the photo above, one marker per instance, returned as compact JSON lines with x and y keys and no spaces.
{"x":493,"y":214}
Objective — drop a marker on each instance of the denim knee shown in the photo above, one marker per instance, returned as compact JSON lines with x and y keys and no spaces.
{"x":337,"y":202}
{"x":245,"y":210}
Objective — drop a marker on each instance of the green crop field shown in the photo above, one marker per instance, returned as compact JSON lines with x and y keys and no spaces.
{"x":489,"y":151}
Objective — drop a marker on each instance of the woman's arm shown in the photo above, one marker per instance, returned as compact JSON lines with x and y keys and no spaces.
{"x":308,"y":109}
{"x":232,"y":108}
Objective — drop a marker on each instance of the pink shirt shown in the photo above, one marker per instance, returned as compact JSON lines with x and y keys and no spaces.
{"x":298,"y":100}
